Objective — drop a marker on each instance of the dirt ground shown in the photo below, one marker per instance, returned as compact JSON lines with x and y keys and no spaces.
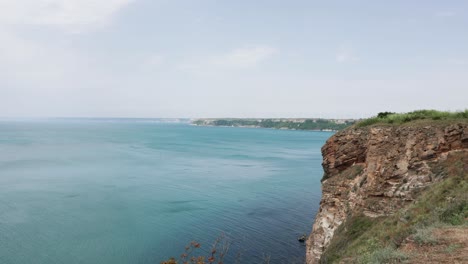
{"x":451,"y":247}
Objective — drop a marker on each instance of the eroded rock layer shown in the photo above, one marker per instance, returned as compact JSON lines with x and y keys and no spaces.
{"x":378,"y":170}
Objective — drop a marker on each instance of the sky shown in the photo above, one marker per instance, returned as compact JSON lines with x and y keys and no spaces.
{"x":220,"y":58}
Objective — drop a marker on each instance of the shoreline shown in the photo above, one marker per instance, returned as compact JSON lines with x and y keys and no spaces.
{"x":308,"y":124}
{"x":273,"y":128}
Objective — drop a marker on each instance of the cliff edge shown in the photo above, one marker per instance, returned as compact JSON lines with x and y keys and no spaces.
{"x":374,"y":172}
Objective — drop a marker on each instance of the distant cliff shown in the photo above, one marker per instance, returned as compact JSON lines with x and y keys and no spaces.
{"x":279,"y":123}
{"x":374,"y":172}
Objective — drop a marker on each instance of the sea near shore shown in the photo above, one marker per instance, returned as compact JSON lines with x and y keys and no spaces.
{"x":126,"y":191}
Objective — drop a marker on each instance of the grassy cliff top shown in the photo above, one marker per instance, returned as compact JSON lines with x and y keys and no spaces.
{"x":390,"y":118}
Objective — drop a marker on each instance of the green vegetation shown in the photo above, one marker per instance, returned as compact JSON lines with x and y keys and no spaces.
{"x":423,"y":236}
{"x":365,"y":240}
{"x":353,"y":171}
{"x":349,"y":173}
{"x":451,"y":248}
{"x":388,"y":118}
{"x":386,"y":255}
{"x":348,"y":232}
{"x":298,"y":124}
{"x":401,"y":118}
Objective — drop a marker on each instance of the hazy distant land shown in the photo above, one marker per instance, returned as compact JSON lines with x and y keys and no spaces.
{"x":318,"y":124}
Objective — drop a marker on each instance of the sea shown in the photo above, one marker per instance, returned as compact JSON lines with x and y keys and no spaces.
{"x":140,"y":190}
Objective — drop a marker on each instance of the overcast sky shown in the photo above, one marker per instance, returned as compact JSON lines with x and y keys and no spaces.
{"x":243,"y":58}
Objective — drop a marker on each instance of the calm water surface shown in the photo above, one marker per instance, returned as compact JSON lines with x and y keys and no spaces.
{"x":87,"y":191}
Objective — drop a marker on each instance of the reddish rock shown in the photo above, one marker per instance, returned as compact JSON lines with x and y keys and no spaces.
{"x":395,"y":164}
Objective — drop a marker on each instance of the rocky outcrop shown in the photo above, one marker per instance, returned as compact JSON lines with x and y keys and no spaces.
{"x":378,"y":170}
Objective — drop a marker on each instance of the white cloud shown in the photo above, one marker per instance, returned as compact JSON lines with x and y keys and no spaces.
{"x":155,"y":60}
{"x":25,"y":60}
{"x":445,"y":14}
{"x":459,"y":62}
{"x":241,"y":58}
{"x":245,"y":57}
{"x":346,"y":55}
{"x":71,"y":15}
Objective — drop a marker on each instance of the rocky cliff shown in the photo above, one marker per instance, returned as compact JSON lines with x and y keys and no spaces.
{"x":377,"y":170}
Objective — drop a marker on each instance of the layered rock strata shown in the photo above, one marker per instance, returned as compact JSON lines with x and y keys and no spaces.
{"x":378,"y":170}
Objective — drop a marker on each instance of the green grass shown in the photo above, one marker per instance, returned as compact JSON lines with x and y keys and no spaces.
{"x":349,"y":231}
{"x":349,"y":173}
{"x":401,"y":118}
{"x":451,"y":248}
{"x":384,"y":255}
{"x":423,"y":236}
{"x":361,"y":239}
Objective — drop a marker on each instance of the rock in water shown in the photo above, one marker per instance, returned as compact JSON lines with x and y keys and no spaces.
{"x":302,"y":238}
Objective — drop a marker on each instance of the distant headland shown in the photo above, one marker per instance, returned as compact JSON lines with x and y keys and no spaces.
{"x":317,"y":124}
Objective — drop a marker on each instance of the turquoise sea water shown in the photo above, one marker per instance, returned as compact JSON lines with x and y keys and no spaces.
{"x":122,"y":191}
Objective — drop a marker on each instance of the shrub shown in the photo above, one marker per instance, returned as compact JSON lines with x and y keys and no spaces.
{"x":423,"y":236}
{"x":453,"y":247}
{"x":456,"y":213}
{"x":384,"y":114}
{"x":387,"y":255}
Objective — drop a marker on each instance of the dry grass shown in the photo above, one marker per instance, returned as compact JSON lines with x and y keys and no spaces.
{"x":451,"y":247}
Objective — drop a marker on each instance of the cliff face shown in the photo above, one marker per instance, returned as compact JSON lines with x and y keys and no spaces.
{"x":378,"y":170}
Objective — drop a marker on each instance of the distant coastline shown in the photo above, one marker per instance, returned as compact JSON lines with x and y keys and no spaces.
{"x":312,"y":124}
